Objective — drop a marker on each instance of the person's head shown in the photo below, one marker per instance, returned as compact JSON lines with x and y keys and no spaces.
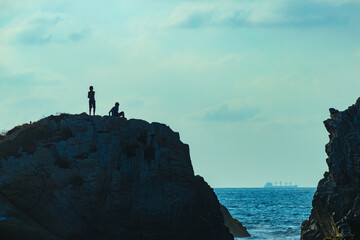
{"x":91,"y":88}
{"x":117,"y":104}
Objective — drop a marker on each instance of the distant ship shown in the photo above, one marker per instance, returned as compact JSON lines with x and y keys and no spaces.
{"x":279,"y":185}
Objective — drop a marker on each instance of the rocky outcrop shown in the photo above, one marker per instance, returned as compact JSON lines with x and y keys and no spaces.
{"x":236,"y":228}
{"x":73,"y":177}
{"x":336,"y":203}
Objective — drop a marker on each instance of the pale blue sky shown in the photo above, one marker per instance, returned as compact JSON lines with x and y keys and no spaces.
{"x":247,"y":83}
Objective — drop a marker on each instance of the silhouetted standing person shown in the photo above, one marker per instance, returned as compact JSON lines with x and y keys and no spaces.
{"x":115,"y":111}
{"x":91,"y":96}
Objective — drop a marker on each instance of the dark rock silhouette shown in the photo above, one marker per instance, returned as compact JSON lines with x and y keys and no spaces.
{"x":236,"y":228}
{"x":73,"y":177}
{"x":336,"y":203}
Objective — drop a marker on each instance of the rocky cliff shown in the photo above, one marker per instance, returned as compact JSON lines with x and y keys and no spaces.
{"x":336,"y":203}
{"x":73,"y":177}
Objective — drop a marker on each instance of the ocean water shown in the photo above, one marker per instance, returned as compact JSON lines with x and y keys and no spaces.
{"x":271,"y":214}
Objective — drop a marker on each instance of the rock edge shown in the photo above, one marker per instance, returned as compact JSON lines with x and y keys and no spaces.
{"x":73,"y":177}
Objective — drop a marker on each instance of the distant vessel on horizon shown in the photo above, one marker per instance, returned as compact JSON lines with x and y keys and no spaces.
{"x":280,"y":185}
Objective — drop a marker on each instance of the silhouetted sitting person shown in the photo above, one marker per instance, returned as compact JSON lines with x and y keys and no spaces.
{"x":115,"y":111}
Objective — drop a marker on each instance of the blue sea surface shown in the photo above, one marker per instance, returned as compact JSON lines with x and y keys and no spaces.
{"x":269,"y":213}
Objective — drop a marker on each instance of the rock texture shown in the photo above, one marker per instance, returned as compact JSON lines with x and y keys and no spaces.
{"x":236,"y":228}
{"x":73,"y":177}
{"x":336,"y":203}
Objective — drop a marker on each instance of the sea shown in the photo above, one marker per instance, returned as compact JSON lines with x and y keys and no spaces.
{"x":269,"y":213}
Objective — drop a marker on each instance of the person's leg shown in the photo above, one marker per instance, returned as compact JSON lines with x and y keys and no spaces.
{"x":94,"y":107}
{"x":121,"y":114}
{"x":90,"y":108}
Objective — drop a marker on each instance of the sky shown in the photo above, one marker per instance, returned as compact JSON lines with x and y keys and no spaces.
{"x":246,"y":83}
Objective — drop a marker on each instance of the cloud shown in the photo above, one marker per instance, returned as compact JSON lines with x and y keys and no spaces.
{"x":44,"y":28}
{"x":191,"y":60}
{"x":225,"y":114}
{"x":51,"y":29}
{"x":231,"y":111}
{"x":78,"y":36}
{"x":28,"y":78}
{"x":16,"y":79}
{"x":256,"y":115}
{"x":30,"y":103}
{"x":35,"y":36}
{"x":275,"y":13}
{"x":9,"y":5}
{"x":338,"y":3}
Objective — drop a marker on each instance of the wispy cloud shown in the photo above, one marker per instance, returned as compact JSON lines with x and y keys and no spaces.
{"x":230,"y":111}
{"x":256,"y":115}
{"x":58,"y":28}
{"x":78,"y":36}
{"x":29,"y":103}
{"x":44,"y":28}
{"x":225,"y":114}
{"x":9,"y":5}
{"x":28,"y":78}
{"x":188,"y":60}
{"x":16,"y":79}
{"x":276,"y":13}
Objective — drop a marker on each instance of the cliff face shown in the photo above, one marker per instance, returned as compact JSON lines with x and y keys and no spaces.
{"x":336,"y":203}
{"x":78,"y":177}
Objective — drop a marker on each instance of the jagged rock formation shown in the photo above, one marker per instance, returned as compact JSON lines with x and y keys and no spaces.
{"x":336,"y":203}
{"x":236,"y":228}
{"x":73,"y":177}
